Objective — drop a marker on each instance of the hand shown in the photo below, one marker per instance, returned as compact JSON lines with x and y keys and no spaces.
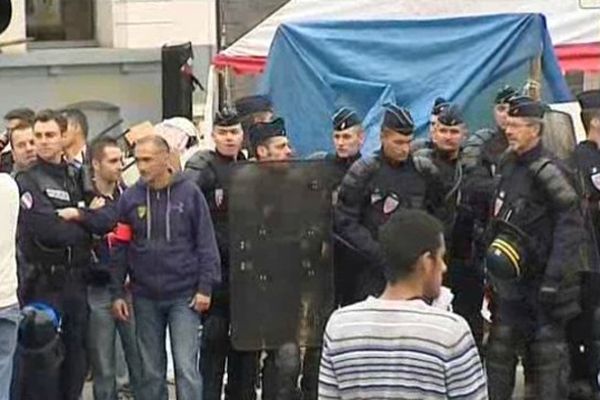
{"x":200,"y":303}
{"x":69,"y":214}
{"x":97,"y":202}
{"x":120,"y":310}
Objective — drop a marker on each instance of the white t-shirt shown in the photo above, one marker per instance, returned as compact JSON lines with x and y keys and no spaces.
{"x":9,"y":214}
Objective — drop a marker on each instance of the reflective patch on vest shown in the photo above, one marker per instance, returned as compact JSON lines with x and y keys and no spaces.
{"x":334,"y":196}
{"x":56,"y":194}
{"x":26,"y":201}
{"x":390,"y":204}
{"x":498,"y":203}
{"x":141,"y":212}
{"x":219,"y":196}
{"x":375,"y":196}
{"x":596,"y":180}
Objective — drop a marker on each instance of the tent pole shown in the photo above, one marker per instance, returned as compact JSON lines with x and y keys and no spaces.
{"x":533,"y":87}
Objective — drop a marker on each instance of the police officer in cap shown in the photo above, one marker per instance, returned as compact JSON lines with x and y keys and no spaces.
{"x":584,"y":332}
{"x":439,"y":104}
{"x":533,"y":262}
{"x":58,"y":250}
{"x":464,"y":275}
{"x":210,"y":170}
{"x":251,"y":110}
{"x":376,"y":187}
{"x":348,"y":138}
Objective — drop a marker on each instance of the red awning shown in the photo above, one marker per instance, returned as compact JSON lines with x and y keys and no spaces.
{"x":241,"y":65}
{"x":579,"y":57}
{"x":573,"y":57}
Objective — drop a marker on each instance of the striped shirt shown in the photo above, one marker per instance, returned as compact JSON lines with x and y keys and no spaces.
{"x":382,"y":349}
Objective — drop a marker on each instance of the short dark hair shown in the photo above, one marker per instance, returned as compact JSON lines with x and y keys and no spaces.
{"x":20,"y":126}
{"x":51,"y":115}
{"x":77,"y":117}
{"x":97,"y":147}
{"x":24,"y":114}
{"x":587,"y":116}
{"x":404,"y":238}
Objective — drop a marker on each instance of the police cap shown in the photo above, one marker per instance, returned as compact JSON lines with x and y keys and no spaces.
{"x":438,"y":105}
{"x":525,"y":106}
{"x":398,"y":119}
{"x":261,"y":131}
{"x":345,"y":118}
{"x":589,"y":100}
{"x":253,"y":104}
{"x":505,"y":93}
{"x":451,"y":116}
{"x":228,"y":116}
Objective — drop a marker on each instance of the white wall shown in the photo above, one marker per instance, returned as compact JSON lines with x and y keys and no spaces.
{"x":146,"y":24}
{"x":16,"y":29}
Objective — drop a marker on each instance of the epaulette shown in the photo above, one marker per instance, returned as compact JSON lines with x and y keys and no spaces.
{"x":425,"y":165}
{"x":200,"y":160}
{"x":554,"y":182}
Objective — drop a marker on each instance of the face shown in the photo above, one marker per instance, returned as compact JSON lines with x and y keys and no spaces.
{"x":152,"y":162}
{"x":522,"y":134}
{"x":501,"y":115}
{"x":348,"y":143}
{"x":71,"y":134}
{"x":396,"y":146}
{"x":48,"y":141}
{"x":228,"y":139}
{"x":110,"y":165}
{"x":23,"y":147}
{"x":447,"y":138}
{"x":432,"y":123}
{"x":433,"y":270}
{"x":275,"y":149}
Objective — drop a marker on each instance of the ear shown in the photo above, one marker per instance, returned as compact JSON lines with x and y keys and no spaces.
{"x":261,"y":151}
{"x":595,"y":123}
{"x":95,"y":164}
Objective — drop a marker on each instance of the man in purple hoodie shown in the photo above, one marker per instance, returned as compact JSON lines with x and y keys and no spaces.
{"x":167,"y":244}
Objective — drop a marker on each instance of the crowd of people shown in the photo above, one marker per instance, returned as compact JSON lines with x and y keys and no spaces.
{"x":425,"y":232}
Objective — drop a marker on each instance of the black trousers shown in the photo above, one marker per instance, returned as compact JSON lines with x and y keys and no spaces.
{"x":66,"y":292}
{"x":242,"y":366}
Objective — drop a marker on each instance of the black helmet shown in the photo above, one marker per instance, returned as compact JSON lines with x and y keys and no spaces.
{"x":39,"y":327}
{"x":505,"y":258}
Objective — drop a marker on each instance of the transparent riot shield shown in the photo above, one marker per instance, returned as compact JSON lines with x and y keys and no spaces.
{"x":281,"y":267}
{"x":559,"y":134}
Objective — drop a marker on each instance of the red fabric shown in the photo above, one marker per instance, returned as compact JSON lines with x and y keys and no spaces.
{"x":581,"y":57}
{"x":241,"y":65}
{"x":573,"y":57}
{"x":122,"y":233}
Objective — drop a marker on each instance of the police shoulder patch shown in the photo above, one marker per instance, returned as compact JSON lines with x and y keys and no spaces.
{"x":26,"y":201}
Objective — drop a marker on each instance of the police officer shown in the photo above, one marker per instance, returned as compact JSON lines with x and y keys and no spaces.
{"x":251,"y":110}
{"x":348,"y":138}
{"x":281,"y":366}
{"x":439,"y":104}
{"x":464,"y":275}
{"x":376,"y":187}
{"x":584,"y":332}
{"x":533,"y":261}
{"x":58,"y":250}
{"x":210,"y":170}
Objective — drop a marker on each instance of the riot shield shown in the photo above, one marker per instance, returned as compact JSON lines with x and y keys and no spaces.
{"x":281,"y":263}
{"x":559,"y":134}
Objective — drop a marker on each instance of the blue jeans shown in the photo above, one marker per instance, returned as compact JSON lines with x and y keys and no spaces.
{"x":103,"y":330}
{"x":152,"y":319}
{"x":9,"y":323}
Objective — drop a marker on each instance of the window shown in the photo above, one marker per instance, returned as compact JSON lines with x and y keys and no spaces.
{"x":60,"y":20}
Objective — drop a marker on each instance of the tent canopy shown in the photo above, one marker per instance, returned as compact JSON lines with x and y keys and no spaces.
{"x":574,"y":30}
{"x":316,"y":67}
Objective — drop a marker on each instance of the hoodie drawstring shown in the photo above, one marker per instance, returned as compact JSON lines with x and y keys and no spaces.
{"x":168,"y":213}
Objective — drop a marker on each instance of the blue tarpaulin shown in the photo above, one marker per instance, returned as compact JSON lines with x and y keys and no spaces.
{"x":315,"y":67}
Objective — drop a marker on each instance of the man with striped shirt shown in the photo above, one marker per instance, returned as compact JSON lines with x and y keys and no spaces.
{"x":398,"y":346}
